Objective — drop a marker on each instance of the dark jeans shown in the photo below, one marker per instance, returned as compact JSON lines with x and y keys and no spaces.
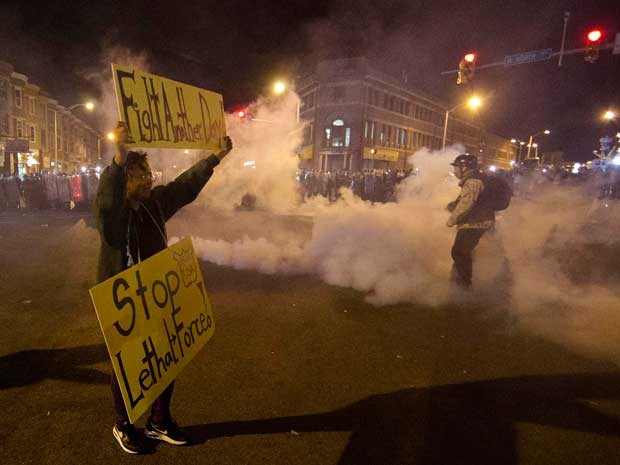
{"x":464,"y":244}
{"x":160,"y":410}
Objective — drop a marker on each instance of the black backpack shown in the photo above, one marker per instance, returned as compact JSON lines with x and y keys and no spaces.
{"x":497,"y":192}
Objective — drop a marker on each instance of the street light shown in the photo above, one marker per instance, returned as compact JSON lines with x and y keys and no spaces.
{"x":474,"y":103}
{"x":520,"y":147}
{"x":529,"y":144}
{"x":609,"y":115}
{"x":90,"y":106}
{"x":279,"y":87}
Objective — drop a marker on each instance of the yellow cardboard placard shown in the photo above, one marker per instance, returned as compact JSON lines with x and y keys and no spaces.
{"x":163,"y":113}
{"x":155,"y":317}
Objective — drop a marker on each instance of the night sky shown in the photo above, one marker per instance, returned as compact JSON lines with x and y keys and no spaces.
{"x":237,"y":48}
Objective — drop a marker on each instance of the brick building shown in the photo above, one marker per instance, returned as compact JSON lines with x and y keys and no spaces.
{"x":360,"y":118}
{"x":29,"y":118}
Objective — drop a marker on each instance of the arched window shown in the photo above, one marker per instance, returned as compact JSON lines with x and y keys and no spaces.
{"x":337,"y":134}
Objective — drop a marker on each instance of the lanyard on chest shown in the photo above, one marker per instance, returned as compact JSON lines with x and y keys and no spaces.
{"x":162,"y":233}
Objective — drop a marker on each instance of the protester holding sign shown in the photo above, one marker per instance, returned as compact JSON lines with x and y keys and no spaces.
{"x":131,"y":218}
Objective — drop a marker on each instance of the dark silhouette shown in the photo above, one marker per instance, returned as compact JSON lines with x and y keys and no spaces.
{"x":469,"y":423}
{"x":70,"y":364}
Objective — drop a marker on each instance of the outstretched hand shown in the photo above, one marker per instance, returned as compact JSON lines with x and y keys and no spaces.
{"x":121,"y":137}
{"x":229,"y":146}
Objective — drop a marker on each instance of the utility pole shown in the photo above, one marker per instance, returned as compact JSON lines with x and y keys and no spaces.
{"x":56,"y":140}
{"x":566,"y":16}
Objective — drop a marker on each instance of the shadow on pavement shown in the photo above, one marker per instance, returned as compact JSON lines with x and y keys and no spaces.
{"x":31,"y":366}
{"x":450,"y":424}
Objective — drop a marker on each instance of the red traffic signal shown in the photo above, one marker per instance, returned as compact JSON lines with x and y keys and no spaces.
{"x":240,"y":114}
{"x":595,"y":35}
{"x":467,"y":66}
{"x":594,"y":42}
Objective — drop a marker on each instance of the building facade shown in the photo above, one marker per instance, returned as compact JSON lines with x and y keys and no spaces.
{"x":360,"y":118}
{"x":37,"y":133}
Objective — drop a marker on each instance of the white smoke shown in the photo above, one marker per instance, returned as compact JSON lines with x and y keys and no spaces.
{"x":384,"y":250}
{"x":263,"y":162}
{"x":540,"y":265}
{"x":107,"y":107}
{"x":400,"y":252}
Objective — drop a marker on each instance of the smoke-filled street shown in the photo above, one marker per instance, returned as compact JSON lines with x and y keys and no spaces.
{"x":298,"y":372}
{"x":341,"y":232}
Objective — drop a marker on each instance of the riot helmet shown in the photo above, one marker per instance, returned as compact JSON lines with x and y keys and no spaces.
{"x":465,"y":161}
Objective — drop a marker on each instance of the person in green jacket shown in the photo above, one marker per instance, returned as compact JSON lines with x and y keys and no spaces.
{"x":131,"y":217}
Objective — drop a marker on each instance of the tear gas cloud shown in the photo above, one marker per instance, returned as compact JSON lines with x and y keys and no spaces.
{"x":400,"y":252}
{"x":264,"y":160}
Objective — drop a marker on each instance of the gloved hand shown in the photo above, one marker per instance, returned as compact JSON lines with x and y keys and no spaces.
{"x":451,"y":206}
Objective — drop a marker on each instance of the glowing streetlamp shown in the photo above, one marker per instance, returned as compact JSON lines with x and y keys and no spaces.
{"x":279,"y":87}
{"x":519,"y":148}
{"x":90,"y":106}
{"x":530,"y":145}
{"x":609,"y":115}
{"x":474,"y":103}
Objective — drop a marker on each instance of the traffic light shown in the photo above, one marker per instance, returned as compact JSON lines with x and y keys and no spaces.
{"x":593,"y":44}
{"x":241,"y":113}
{"x":467,"y":66}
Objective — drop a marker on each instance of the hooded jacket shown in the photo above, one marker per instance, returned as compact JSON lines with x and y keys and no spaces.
{"x":129,"y":236}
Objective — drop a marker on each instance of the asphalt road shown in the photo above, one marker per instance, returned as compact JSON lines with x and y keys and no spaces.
{"x":298,"y":372}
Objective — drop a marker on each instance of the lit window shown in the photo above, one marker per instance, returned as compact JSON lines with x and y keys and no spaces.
{"x":347,"y":137}
{"x":328,"y":136}
{"x":338,"y":122}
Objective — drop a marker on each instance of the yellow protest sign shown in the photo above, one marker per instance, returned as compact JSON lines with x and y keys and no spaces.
{"x":163,"y":113}
{"x":155,"y":317}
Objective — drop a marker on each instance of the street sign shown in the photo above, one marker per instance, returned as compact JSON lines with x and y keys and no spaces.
{"x":616,"y":49}
{"x":528,"y":57}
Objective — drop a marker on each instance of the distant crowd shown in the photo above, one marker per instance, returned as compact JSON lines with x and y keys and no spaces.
{"x":44,"y":191}
{"x":375,"y":186}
